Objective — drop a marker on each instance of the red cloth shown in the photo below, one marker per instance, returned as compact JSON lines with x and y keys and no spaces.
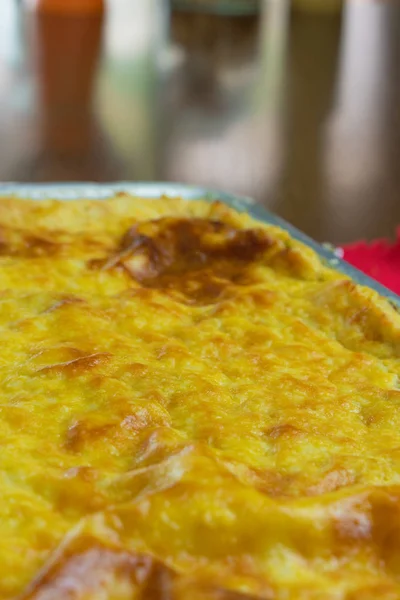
{"x":379,"y":259}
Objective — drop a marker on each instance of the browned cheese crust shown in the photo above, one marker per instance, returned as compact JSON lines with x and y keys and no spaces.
{"x":192,"y":407}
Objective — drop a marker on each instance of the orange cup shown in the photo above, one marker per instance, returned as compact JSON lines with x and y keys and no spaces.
{"x":75,"y":7}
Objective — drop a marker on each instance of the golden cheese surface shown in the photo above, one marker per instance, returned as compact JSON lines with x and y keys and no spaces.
{"x":191,"y":407}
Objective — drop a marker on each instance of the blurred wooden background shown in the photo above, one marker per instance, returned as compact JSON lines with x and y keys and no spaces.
{"x":300,"y":111}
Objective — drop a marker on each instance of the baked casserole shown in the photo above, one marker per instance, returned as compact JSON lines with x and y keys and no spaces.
{"x":193,"y":407}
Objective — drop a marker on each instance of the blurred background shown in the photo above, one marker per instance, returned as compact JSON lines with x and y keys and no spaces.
{"x":296,"y":104}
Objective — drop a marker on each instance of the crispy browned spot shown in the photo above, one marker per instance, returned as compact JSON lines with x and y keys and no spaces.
{"x":55,"y":354}
{"x":158,"y":444}
{"x":86,"y":568}
{"x":269,"y":482}
{"x":286,"y":430}
{"x":20,"y":243}
{"x":65,"y":300}
{"x":197,"y":257}
{"x":193,"y":590}
{"x":42,"y":245}
{"x":135,"y":369}
{"x":3,"y":241}
{"x":222,"y":594}
{"x":82,"y":432}
{"x":14,"y":242}
{"x":293,"y":261}
{"x":333,"y":480}
{"x":78,"y":366}
{"x":385,"y":513}
{"x":381,"y":591}
{"x":73,"y":491}
{"x":371,"y":518}
{"x":118,"y":430}
{"x":272,"y":483}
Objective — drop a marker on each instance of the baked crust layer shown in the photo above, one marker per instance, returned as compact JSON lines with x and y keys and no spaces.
{"x":192,"y":406}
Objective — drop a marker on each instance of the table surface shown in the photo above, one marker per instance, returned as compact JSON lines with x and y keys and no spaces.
{"x":299,"y":111}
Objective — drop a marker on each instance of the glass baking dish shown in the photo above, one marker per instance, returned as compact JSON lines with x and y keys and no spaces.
{"x":73,"y":191}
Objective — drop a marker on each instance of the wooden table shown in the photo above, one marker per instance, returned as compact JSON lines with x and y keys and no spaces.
{"x":302,"y":113}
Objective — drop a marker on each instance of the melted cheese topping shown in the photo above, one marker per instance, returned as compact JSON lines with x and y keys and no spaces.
{"x":192,"y":406}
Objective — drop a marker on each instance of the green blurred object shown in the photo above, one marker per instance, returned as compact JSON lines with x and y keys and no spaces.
{"x":327,"y":7}
{"x":221,"y":7}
